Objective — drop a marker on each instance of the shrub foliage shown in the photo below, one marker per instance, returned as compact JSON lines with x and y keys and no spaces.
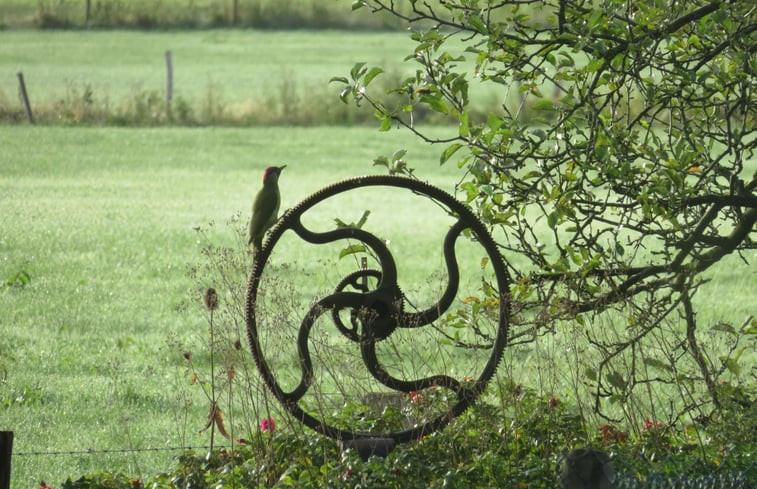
{"x":617,"y":170}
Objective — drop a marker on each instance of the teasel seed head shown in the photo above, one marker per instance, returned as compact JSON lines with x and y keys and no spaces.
{"x":211,"y":299}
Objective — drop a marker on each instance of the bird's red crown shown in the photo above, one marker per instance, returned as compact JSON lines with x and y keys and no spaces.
{"x":270,"y":171}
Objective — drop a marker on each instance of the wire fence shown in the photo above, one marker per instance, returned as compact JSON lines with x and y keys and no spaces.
{"x":720,"y":481}
{"x":92,"y":451}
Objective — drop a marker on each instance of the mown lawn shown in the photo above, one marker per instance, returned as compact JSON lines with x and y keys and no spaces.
{"x":220,"y":76}
{"x":102,"y":222}
{"x":231,"y":68}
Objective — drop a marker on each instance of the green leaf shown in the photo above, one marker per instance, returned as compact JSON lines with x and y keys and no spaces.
{"x":372,"y":73}
{"x":339,"y":79}
{"x":616,"y":380}
{"x":594,"y":65}
{"x":565,"y":61}
{"x":494,"y":122}
{"x":590,"y":373}
{"x":351,"y":250}
{"x":595,"y":17}
{"x":731,"y":364}
{"x":358,"y":69}
{"x":344,"y":95}
{"x":552,"y":219}
{"x":386,"y":124}
{"x":464,"y":126}
{"x":478,"y":24}
{"x":362,"y":219}
{"x":544,"y":105}
{"x":435,"y":103}
{"x":381,"y":161}
{"x":449,"y":151}
{"x":353,"y":225}
{"x":398,"y":155}
{"x":576,"y":258}
{"x":750,"y":329}
{"x":602,"y":151}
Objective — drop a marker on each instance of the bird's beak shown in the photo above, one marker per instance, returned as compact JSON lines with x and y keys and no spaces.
{"x":282,"y":167}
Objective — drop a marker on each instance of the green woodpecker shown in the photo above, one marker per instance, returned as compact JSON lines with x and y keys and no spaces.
{"x":265,"y":207}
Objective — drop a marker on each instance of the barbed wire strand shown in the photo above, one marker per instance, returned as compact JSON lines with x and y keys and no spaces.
{"x":92,"y":451}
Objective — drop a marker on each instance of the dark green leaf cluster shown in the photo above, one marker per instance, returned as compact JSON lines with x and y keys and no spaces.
{"x":518,"y":442}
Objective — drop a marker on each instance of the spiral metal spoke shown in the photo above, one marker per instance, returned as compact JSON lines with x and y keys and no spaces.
{"x":377,"y":312}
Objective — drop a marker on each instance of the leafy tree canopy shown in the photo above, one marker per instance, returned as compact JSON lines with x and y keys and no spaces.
{"x":617,"y":164}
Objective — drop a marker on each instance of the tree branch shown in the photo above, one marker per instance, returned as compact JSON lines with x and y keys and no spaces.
{"x":722,"y":200}
{"x":691,"y":327}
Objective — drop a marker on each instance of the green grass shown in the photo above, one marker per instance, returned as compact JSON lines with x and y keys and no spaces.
{"x":243,"y":64}
{"x":221,"y":76}
{"x":244,"y":74}
{"x":101,"y":221}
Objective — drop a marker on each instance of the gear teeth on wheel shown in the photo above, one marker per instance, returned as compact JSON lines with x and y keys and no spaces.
{"x":466,"y":220}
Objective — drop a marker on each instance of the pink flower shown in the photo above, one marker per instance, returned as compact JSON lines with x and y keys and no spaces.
{"x":415,"y":396}
{"x":267,"y":424}
{"x":649,"y":424}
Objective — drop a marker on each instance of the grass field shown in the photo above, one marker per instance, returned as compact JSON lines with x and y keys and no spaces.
{"x":240,"y":64}
{"x":102,"y":222}
{"x":226,"y":76}
{"x":238,"y":73}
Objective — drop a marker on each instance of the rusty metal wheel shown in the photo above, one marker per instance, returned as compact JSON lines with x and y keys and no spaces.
{"x":371,"y":321}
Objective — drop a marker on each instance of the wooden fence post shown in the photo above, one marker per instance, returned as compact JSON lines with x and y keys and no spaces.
{"x":169,"y":80}
{"x":6,"y":449}
{"x":235,"y":12}
{"x":25,"y":97}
